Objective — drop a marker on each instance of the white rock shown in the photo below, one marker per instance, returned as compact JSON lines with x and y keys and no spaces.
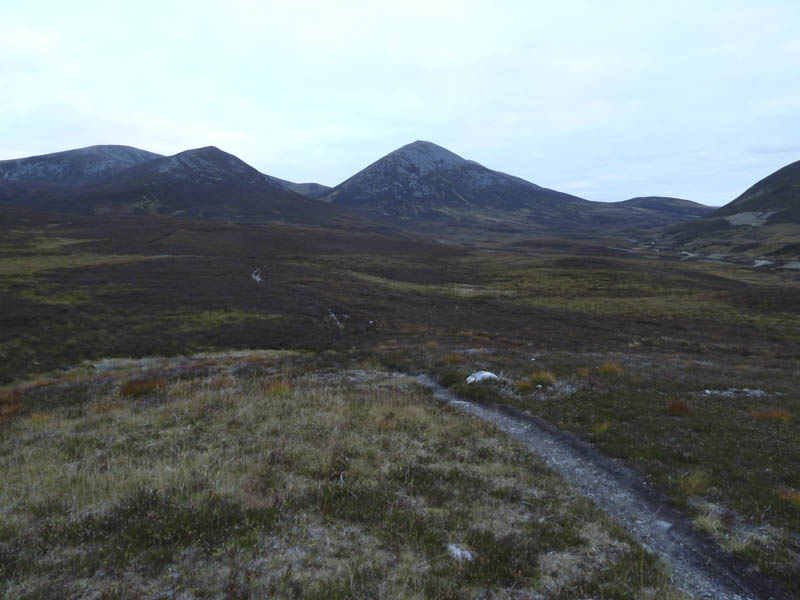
{"x":460,"y":554}
{"x":480,"y":376}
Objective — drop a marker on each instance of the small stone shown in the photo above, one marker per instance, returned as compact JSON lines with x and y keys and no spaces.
{"x":460,"y":554}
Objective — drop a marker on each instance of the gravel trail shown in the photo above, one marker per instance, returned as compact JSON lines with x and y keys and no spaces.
{"x":696,"y":566}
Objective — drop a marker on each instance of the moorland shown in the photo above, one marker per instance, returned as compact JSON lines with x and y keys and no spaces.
{"x":224,"y":469}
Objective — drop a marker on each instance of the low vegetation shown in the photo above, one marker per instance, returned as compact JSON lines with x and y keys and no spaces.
{"x":684,"y":370}
{"x":249,"y":479}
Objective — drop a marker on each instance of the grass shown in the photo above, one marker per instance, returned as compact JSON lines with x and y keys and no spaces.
{"x":543,"y":378}
{"x":273,"y":483}
{"x":780,"y":415}
{"x":678,"y":408}
{"x":610,"y":369}
{"x":142,"y":386}
{"x":695,"y":483}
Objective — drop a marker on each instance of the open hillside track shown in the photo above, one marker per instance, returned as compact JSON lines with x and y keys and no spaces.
{"x":696,"y":566}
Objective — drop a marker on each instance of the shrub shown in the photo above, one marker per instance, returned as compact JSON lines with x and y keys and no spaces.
{"x":708,"y":524}
{"x":277,"y":389}
{"x":142,"y":386}
{"x":9,"y":404}
{"x":583,"y":372}
{"x":790,"y":495}
{"x":610,"y":369}
{"x":543,"y":378}
{"x":37,"y":419}
{"x":524,"y":386}
{"x":694,"y":483}
{"x":677,"y":408}
{"x":599,"y":428}
{"x":772,"y":414}
{"x":452,"y":357}
{"x":431,"y":345}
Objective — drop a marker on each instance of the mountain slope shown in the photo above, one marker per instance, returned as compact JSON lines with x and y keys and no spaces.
{"x":205,"y":182}
{"x":778,"y":193}
{"x":433,"y":189}
{"x":310,"y":190}
{"x":674,"y":207}
{"x":73,"y":167}
{"x":762,"y":221}
{"x":422,"y":182}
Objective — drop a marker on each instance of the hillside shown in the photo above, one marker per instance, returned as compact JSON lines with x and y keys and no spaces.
{"x":201,"y":183}
{"x":669,"y":207}
{"x":764,"y":221}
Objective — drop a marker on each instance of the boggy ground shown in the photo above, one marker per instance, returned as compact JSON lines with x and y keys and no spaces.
{"x":669,"y":330}
{"x":247,"y":477}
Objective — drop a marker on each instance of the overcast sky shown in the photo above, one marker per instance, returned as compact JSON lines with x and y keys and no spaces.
{"x":603,"y":99}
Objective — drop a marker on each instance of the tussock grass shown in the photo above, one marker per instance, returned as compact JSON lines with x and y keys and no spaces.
{"x":142,"y":386}
{"x":677,"y":408}
{"x":543,"y":378}
{"x":9,"y":404}
{"x":610,"y":369}
{"x":452,"y":358}
{"x":284,"y":485}
{"x":524,"y":386}
{"x":694,"y":483}
{"x":790,"y":495}
{"x":780,"y":415}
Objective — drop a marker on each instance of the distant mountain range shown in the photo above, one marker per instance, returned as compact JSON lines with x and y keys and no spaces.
{"x":420,"y":186}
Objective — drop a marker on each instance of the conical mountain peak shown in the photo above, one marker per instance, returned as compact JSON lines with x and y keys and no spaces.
{"x":424,"y":156}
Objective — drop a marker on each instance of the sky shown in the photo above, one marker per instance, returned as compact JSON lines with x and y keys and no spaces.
{"x":605,"y":100}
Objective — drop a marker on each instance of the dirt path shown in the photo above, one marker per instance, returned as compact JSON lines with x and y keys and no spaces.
{"x":697,"y":567}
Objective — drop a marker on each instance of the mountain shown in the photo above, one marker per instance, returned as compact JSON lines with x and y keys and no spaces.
{"x":676,"y":208}
{"x":762,"y":221}
{"x":73,"y":167}
{"x":205,"y":182}
{"x":433,"y":189}
{"x":778,"y":194}
{"x":310,"y":190}
{"x":431,"y":186}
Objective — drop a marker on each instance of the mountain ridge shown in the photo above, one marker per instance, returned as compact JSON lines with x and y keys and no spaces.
{"x":73,"y":167}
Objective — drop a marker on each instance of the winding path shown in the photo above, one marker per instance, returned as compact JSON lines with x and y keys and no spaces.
{"x":696,"y":566}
